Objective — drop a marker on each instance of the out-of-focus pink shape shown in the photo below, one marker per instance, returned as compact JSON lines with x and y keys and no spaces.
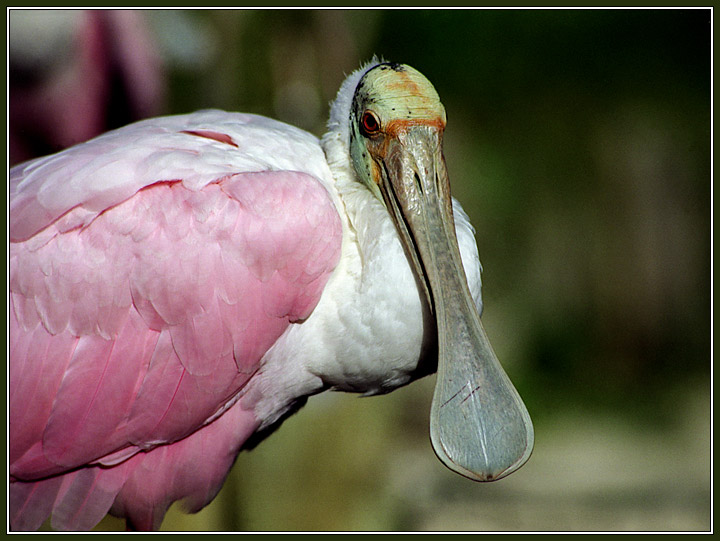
{"x":111,"y":76}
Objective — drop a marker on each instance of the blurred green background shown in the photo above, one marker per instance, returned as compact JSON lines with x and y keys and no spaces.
{"x":578,"y":141}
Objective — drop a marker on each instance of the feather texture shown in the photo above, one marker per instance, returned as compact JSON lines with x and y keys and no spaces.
{"x":151,"y":269}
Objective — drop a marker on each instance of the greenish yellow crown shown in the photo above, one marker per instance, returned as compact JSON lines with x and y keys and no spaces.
{"x":399,"y":92}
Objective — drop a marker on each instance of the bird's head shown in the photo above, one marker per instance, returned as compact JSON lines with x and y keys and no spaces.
{"x":393,"y":106}
{"x":393,"y":131}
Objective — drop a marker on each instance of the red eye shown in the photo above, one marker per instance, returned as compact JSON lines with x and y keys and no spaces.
{"x":370,"y":124}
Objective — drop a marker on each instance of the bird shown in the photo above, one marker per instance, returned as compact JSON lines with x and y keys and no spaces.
{"x":183,"y":284}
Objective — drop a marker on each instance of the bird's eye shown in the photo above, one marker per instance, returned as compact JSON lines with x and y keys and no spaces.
{"x":370,"y":125}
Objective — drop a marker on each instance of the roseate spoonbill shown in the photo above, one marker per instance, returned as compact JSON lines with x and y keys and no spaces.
{"x":181,"y":285}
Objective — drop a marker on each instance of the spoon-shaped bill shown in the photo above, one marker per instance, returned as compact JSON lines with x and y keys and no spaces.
{"x":479,"y":425}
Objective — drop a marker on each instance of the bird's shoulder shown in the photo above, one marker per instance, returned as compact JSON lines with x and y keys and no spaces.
{"x":196,"y":149}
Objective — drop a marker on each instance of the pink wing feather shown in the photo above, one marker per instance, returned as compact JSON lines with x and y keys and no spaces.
{"x":150,"y":271}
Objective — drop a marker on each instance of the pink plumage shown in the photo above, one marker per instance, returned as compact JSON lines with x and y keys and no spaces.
{"x":150,"y":271}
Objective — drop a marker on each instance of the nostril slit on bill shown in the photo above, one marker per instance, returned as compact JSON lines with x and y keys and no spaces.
{"x":419,"y":184}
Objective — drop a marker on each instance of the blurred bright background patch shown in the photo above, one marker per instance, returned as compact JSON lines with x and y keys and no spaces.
{"x":578,"y":141}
